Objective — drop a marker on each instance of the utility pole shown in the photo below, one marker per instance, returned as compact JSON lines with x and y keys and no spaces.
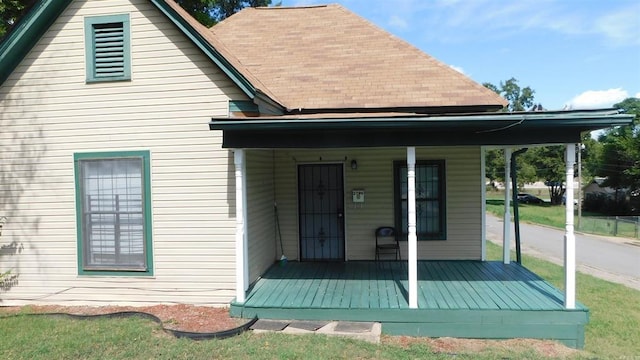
{"x":580,"y":146}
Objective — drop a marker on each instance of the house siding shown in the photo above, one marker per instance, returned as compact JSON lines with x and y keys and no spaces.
{"x":260,"y":212}
{"x":48,"y":113}
{"x":375,"y":176}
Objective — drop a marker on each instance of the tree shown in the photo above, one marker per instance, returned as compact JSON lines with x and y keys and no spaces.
{"x":520,"y":99}
{"x":210,"y":12}
{"x":620,"y":158}
{"x":10,"y":12}
{"x":550,"y":167}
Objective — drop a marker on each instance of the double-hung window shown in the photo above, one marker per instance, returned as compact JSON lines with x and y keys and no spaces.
{"x":430,"y":199}
{"x":113,"y":213}
{"x":107,"y":44}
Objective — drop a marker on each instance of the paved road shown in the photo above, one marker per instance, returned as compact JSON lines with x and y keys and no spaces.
{"x":612,"y":259}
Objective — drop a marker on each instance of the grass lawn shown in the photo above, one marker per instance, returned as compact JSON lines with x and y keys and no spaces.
{"x":546,"y":214}
{"x":614,"y":318}
{"x":611,"y":333}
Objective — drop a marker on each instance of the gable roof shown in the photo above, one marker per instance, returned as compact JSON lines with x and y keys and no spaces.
{"x":327,"y":58}
{"x":30,"y":28}
{"x":26,"y":33}
{"x":290,"y":61}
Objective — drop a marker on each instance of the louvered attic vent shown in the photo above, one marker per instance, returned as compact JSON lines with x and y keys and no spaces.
{"x":108,"y":51}
{"x":108,"y":48}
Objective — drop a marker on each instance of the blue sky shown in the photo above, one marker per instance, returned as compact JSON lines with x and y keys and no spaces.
{"x":573,"y":53}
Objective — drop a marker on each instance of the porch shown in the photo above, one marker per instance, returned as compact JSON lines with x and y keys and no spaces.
{"x":470,"y":299}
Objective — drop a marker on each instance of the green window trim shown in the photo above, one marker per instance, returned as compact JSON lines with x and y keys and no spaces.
{"x":108,"y":48}
{"x":83,"y":269}
{"x":435,"y":198}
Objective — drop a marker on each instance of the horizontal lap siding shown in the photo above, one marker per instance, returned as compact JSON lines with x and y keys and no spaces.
{"x":375,"y":176}
{"x":260,"y":215}
{"x":48,"y":112}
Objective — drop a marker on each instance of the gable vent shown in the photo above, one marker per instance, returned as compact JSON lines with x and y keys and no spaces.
{"x":109,"y":50}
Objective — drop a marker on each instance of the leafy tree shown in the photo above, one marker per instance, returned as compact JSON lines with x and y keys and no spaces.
{"x":520,"y":99}
{"x":210,"y":12}
{"x":10,"y":12}
{"x":620,"y":158}
{"x":550,"y":167}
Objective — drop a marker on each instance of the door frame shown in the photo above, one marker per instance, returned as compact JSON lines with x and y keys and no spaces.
{"x":344,"y":202}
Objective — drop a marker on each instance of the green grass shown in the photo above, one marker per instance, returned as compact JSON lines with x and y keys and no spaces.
{"x":614,"y":318}
{"x":28,"y":337}
{"x":551,"y":215}
{"x":544,"y":214}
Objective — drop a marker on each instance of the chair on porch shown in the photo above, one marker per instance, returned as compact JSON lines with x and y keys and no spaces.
{"x":387,"y":242}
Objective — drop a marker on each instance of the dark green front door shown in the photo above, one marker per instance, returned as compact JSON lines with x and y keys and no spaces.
{"x":321,"y":208}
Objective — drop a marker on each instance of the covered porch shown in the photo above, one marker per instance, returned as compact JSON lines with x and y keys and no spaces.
{"x":472,"y":299}
{"x":445,"y":287}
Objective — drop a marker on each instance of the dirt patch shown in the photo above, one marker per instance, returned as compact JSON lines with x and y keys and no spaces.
{"x":203,"y":319}
{"x":543,"y":348}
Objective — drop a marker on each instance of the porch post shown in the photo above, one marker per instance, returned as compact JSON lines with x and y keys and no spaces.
{"x":242,"y":273}
{"x":483,"y":206}
{"x":506,"y":224}
{"x":411,"y":221}
{"x":569,"y":236}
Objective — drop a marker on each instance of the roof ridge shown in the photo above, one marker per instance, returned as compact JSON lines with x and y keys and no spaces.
{"x":291,"y":7}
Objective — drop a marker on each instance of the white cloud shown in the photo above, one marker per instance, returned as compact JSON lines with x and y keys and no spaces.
{"x":622,"y":26}
{"x":397,"y":22}
{"x":637,"y":96}
{"x":457,"y":68}
{"x":594,"y":99}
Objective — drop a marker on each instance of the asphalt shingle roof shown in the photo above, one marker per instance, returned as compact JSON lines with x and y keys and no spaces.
{"x":323,"y":58}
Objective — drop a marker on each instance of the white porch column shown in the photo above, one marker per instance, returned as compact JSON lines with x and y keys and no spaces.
{"x":483,"y":206}
{"x":569,"y":236}
{"x":506,"y":224}
{"x":242,"y":266}
{"x":411,"y":220}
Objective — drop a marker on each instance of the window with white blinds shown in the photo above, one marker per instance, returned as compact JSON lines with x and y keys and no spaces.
{"x":113,"y":208}
{"x":107,"y":41}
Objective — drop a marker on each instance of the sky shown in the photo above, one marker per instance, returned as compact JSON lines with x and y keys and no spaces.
{"x":575,"y":54}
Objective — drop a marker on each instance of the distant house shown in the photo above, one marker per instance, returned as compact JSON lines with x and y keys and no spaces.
{"x":596,"y":188}
{"x":149,"y":159}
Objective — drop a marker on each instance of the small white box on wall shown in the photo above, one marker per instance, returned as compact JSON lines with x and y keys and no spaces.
{"x":358,"y":195}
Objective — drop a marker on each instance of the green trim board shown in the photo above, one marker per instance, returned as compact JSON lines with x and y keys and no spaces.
{"x":243,"y":106}
{"x":24,"y":36}
{"x":108,"y":48}
{"x":83,"y":269}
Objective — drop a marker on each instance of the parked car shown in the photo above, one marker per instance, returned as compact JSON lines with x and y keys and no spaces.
{"x":564,"y":200}
{"x":529,"y":199}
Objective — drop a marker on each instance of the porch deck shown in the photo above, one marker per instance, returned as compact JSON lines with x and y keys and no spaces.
{"x":471,"y":299}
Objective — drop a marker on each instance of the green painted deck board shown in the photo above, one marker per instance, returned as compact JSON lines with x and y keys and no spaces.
{"x":367,"y":285}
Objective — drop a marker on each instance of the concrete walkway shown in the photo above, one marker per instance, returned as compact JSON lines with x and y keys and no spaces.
{"x":366,"y":331}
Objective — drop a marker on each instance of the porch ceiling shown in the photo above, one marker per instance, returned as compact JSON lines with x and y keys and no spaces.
{"x":372,"y":130}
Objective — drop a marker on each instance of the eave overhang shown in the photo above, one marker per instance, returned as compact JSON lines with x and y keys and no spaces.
{"x":418,"y":130}
{"x":208,"y":49}
{"x":24,"y":36}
